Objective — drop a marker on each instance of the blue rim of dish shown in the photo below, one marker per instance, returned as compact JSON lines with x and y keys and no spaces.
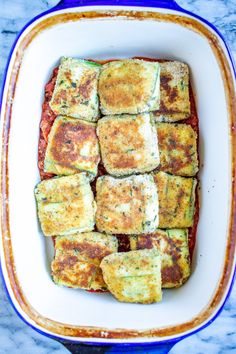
{"x":162,"y":4}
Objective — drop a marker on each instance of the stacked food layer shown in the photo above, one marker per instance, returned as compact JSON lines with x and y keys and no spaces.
{"x":121,"y":166}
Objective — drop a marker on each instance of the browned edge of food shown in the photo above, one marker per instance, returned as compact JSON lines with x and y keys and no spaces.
{"x":96,"y":332}
{"x":47,"y":120}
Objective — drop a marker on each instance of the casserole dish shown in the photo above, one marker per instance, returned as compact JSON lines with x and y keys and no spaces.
{"x":100,"y":30}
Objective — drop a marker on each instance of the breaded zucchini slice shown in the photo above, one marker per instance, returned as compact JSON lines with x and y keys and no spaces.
{"x":126,"y":205}
{"x":75,"y":93}
{"x":178,"y":149}
{"x":72,"y":147}
{"x":77,"y":259}
{"x":128,"y":144}
{"x":65,"y":205}
{"x":176,"y":200}
{"x":129,"y":86}
{"x":170,"y":117}
{"x":172,"y":245}
{"x":134,"y":276}
{"x":175,"y":103}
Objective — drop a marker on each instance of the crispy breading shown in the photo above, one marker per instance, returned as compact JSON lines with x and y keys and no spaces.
{"x":176,"y":200}
{"x":126,"y":205}
{"x":77,"y":259}
{"x":178,"y":149}
{"x":65,"y":205}
{"x":75,"y":93}
{"x":72,"y":147}
{"x":134,"y":276}
{"x":174,"y":83}
{"x":128,"y":144}
{"x":172,"y":245}
{"x":129,"y":86}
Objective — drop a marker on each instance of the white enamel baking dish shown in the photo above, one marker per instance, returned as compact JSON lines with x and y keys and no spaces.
{"x":117,"y":29}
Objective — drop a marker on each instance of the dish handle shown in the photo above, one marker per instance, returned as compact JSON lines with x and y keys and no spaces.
{"x":168,"y":4}
{"x":76,"y":348}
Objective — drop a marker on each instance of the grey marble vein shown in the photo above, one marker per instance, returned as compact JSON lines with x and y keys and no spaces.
{"x":15,"y":336}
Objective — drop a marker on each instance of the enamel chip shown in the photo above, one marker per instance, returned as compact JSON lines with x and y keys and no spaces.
{"x":75,"y":93}
{"x":65,"y":205}
{"x":134,"y":276}
{"x":128,"y":144}
{"x":72,"y":147}
{"x":129,"y":86}
{"x":127,"y":205}
{"x":78,"y":257}
{"x":172,"y":245}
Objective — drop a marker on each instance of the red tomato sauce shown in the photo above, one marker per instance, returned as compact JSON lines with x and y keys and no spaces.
{"x":193,"y":121}
{"x":47,"y":119}
{"x":46,"y":122}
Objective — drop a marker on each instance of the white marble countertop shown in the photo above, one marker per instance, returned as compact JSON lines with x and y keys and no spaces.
{"x":15,"y":336}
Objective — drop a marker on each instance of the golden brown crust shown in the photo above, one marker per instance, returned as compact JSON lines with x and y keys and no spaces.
{"x":169,"y":117}
{"x":88,"y":246}
{"x":75,"y":92}
{"x":98,"y":282}
{"x":78,"y":257}
{"x":129,"y":86}
{"x":69,"y":271}
{"x":175,"y":102}
{"x":126,"y":206}
{"x":65,"y":205}
{"x":128,"y":144}
{"x":173,"y":248}
{"x":178,"y":149}
{"x":176,"y":200}
{"x":72,"y":147}
{"x":134,"y":276}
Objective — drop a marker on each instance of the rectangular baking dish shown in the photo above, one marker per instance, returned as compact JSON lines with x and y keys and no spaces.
{"x":117,"y":29}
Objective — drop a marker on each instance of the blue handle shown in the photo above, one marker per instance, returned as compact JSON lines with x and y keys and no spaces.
{"x":116,"y":349}
{"x":168,"y":4}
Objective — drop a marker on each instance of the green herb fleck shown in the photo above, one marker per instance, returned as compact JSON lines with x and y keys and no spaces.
{"x":146,"y":223}
{"x":183,"y":86}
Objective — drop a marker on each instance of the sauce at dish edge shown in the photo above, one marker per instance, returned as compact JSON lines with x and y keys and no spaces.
{"x":47,"y":119}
